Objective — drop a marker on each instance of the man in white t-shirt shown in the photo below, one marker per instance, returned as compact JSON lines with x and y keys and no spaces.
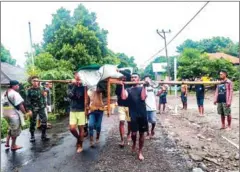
{"x":12,"y":112}
{"x":150,"y":106}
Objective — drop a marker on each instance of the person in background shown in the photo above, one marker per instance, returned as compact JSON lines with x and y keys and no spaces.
{"x":36,"y":104}
{"x":12,"y":110}
{"x":162,"y":93}
{"x":151,"y":106}
{"x":223,"y":99}
{"x":184,"y":92}
{"x":200,"y":91}
{"x":77,"y":118}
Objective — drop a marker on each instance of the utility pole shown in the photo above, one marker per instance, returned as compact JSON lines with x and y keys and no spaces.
{"x":165,"y":42}
{"x":30,"y":34}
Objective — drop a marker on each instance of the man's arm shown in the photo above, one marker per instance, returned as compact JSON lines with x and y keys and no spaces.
{"x":124,"y":94}
{"x":143,"y":93}
{"x":230,"y":94}
{"x":28,"y":100}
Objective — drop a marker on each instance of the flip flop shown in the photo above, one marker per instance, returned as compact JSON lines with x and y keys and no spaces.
{"x":7,"y":146}
{"x":16,"y":148}
{"x":121,"y":145}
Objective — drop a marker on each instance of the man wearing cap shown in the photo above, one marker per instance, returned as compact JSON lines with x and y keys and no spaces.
{"x":36,"y":104}
{"x":12,"y":111}
{"x":136,"y":99}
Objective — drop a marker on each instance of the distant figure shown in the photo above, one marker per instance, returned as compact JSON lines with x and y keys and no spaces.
{"x":200,"y":90}
{"x":223,"y":99}
{"x":162,"y":93}
{"x":184,"y":92}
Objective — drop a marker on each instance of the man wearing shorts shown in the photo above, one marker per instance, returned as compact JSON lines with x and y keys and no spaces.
{"x":123,"y":111}
{"x":150,"y":106}
{"x":136,"y":99}
{"x":223,"y":99}
{"x":200,"y":97}
{"x":77,"y":112}
{"x":12,"y":111}
{"x":162,"y":93}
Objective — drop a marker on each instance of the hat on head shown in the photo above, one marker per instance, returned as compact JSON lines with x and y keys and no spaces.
{"x":14,"y":82}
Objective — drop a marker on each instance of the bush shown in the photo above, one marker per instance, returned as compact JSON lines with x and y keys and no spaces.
{"x":236,"y":85}
{"x":4,"y":127}
{"x":52,"y":117}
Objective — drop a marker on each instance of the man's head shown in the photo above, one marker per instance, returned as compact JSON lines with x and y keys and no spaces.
{"x":14,"y":85}
{"x":76,"y":76}
{"x":135,"y":77}
{"x":223,"y":74}
{"x":35,"y":81}
{"x":147,"y":78}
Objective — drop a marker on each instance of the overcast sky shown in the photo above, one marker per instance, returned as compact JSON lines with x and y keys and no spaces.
{"x":131,"y":25}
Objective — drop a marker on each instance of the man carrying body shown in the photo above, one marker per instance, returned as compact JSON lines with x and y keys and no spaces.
{"x":162,"y":93}
{"x":36,"y":104}
{"x":223,"y":99}
{"x":11,"y":112}
{"x":136,"y":97}
{"x":96,"y":109}
{"x":123,"y":112}
{"x":150,"y":106}
{"x":77,"y":110}
{"x":184,"y":92}
{"x":200,"y":97}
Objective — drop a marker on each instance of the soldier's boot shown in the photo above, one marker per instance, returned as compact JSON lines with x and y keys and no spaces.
{"x":44,"y":135}
{"x":32,"y":139}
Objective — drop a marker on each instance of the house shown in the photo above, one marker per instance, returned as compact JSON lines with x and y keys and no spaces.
{"x":234,"y":60}
{"x":10,"y":72}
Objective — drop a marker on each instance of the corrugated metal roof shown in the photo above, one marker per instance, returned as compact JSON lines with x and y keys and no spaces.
{"x":10,"y":72}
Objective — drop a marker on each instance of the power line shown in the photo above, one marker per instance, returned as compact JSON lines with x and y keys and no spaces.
{"x":178,"y":32}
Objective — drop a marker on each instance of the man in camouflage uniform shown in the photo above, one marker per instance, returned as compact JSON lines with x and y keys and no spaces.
{"x":37,"y":104}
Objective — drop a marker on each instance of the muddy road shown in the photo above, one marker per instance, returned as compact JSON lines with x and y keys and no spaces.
{"x":182,"y":143}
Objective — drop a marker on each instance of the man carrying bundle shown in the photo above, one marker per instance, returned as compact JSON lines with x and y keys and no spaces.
{"x":136,"y":97}
{"x":77,"y":117}
{"x":123,"y":110}
{"x":96,"y":109}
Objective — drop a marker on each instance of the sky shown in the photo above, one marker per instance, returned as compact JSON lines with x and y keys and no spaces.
{"x":131,"y":25}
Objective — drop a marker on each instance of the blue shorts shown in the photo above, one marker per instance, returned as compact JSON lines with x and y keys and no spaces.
{"x":200,"y":101}
{"x":151,"y":117}
{"x":162,"y":100}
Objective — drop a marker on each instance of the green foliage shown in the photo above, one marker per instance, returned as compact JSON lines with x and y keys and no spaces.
{"x":52,"y":117}
{"x":27,"y":122}
{"x":192,"y":64}
{"x":213,"y":45}
{"x":4,"y":127}
{"x":6,"y":56}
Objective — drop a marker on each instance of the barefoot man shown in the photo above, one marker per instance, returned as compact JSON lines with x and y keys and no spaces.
{"x":136,"y":98}
{"x":123,"y":112}
{"x":223,"y":99}
{"x":77,"y":112}
{"x":11,"y":112}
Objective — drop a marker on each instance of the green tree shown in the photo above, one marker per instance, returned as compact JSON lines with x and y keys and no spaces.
{"x":213,"y":45}
{"x":6,"y":56}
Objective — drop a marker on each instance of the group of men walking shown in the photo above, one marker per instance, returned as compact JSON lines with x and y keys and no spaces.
{"x":136,"y":104}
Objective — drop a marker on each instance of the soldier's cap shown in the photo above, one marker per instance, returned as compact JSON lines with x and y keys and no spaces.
{"x":13,"y":83}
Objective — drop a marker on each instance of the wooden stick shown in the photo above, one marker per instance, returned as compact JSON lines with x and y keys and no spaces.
{"x":56,"y":81}
{"x":172,"y":82}
{"x":234,"y":144}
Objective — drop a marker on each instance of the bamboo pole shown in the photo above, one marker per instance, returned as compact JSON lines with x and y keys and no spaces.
{"x":108,"y":96}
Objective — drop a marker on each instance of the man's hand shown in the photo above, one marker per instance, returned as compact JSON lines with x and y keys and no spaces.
{"x":228,"y":105}
{"x":215,"y":103}
{"x":29,"y":114}
{"x":146,"y":84}
{"x":75,"y":82}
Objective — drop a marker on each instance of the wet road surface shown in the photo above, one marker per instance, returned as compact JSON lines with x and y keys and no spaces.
{"x":57,"y":155}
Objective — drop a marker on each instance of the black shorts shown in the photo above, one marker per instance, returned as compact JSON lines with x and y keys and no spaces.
{"x":139,"y":124}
